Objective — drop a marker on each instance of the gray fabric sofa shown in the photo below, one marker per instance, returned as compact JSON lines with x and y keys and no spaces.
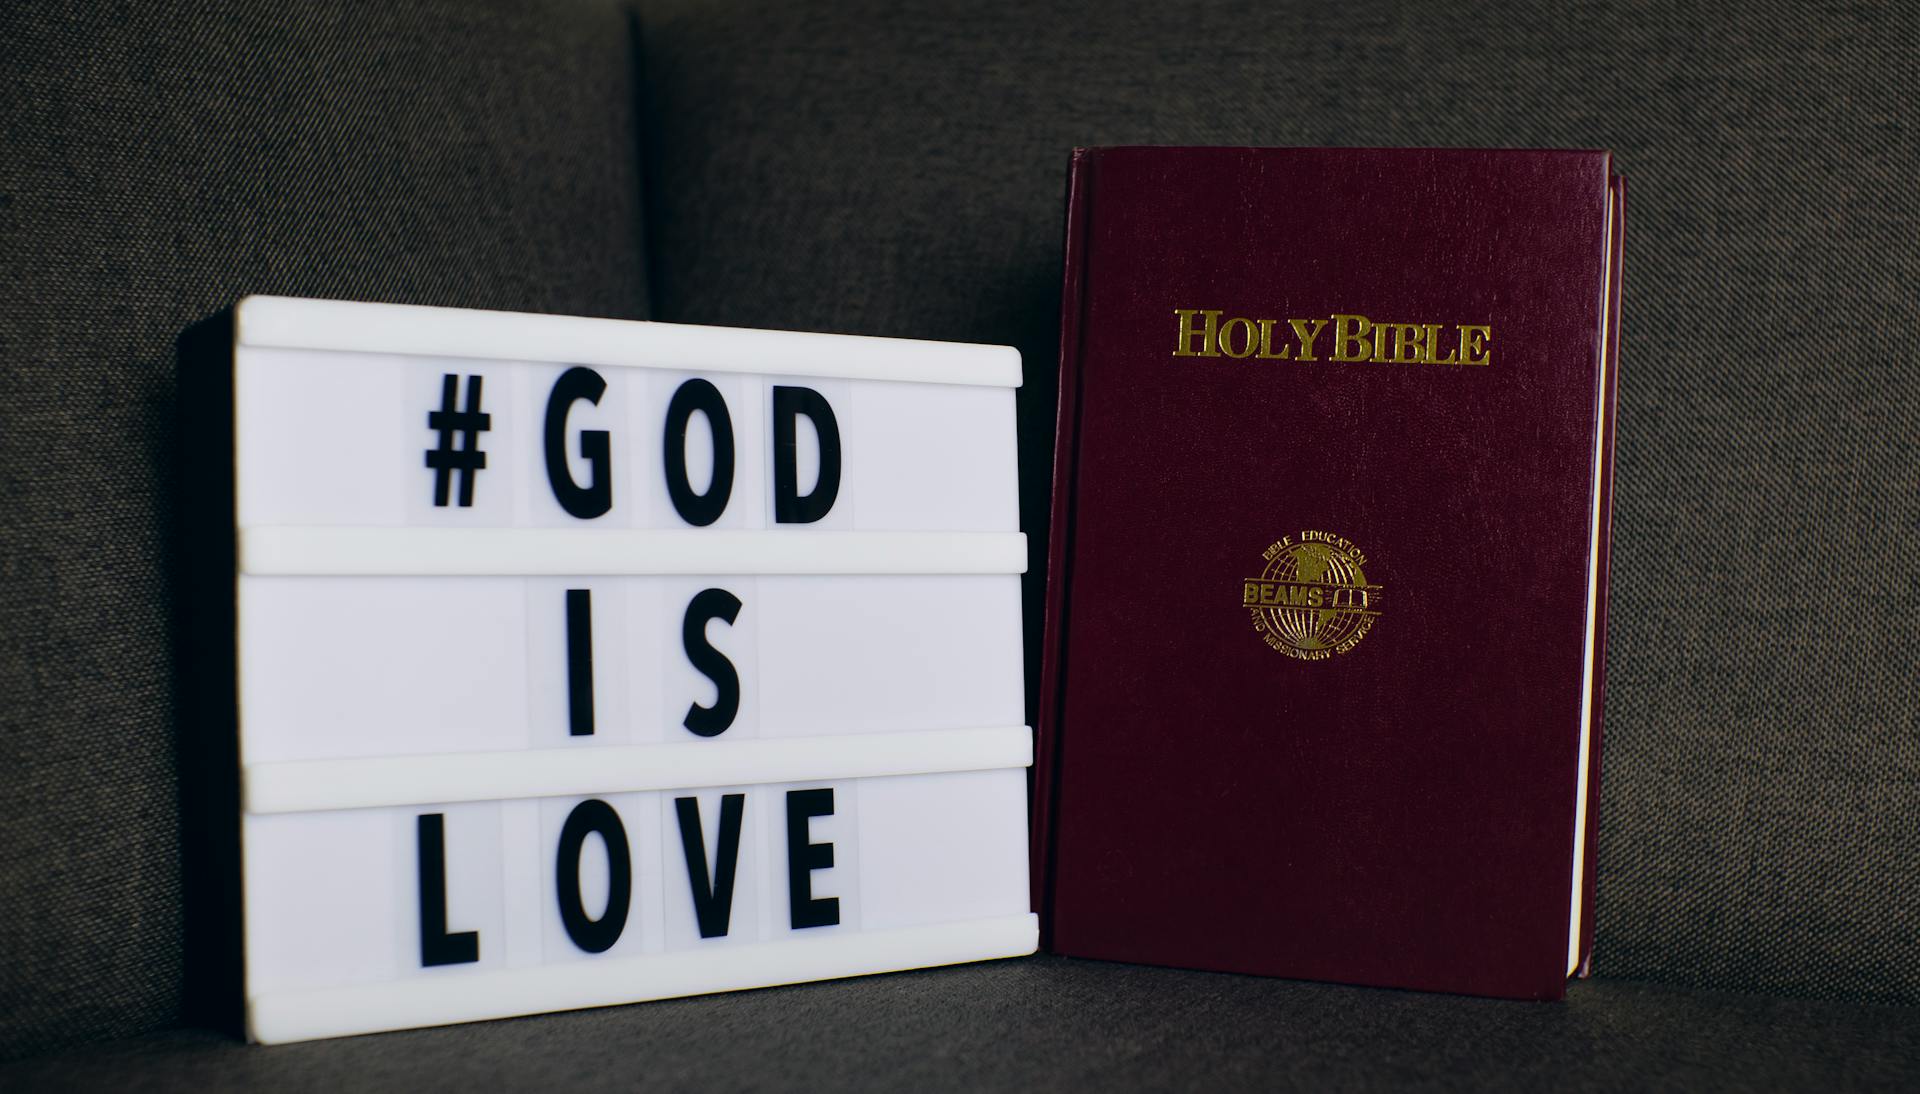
{"x":898,"y":169}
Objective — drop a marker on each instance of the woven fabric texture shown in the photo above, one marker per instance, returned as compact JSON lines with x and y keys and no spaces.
{"x":897,"y":168}
{"x":156,"y":163}
{"x":1050,"y":1023}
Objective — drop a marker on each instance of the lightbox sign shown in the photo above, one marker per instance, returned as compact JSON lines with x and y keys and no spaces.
{"x":586,"y":662}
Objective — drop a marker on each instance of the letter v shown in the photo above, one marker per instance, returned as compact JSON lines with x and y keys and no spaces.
{"x":712,"y":901}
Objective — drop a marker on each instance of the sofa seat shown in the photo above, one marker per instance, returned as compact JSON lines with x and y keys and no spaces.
{"x":1054,"y":1023}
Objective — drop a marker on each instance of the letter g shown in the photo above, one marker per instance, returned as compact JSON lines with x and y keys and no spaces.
{"x":595,"y":498}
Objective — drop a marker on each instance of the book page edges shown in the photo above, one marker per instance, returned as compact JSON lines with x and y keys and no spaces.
{"x":1046,"y":720}
{"x":1587,"y":827}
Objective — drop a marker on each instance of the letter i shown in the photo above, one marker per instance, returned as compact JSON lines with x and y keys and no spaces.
{"x":580,"y":662}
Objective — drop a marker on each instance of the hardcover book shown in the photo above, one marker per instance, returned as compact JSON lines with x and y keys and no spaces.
{"x":1325,"y":630}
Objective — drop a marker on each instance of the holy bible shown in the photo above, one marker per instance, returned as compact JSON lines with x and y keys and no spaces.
{"x":1326,"y":609}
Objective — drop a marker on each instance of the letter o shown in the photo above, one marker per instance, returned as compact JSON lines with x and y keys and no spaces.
{"x":698,"y":510}
{"x":1248,"y":339}
{"x":593,"y":935}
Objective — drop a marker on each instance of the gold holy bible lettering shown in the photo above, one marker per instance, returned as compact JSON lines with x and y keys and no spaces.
{"x":1351,"y":339}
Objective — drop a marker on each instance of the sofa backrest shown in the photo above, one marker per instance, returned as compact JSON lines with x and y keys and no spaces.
{"x":155,"y":165}
{"x":890,"y":167}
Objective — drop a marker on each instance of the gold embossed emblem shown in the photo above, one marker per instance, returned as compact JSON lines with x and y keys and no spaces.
{"x":1313,"y":599}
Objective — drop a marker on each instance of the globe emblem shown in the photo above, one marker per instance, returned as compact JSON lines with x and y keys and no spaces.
{"x":1312,"y":600}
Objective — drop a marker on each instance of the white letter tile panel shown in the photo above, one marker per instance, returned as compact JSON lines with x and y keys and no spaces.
{"x":585,"y":662}
{"x":380,"y":666}
{"x":336,"y":904}
{"x":340,"y":439}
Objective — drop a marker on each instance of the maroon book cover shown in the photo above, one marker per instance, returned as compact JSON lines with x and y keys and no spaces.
{"x":1325,"y":614}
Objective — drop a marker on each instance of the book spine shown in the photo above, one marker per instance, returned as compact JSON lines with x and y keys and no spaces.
{"x":1616,"y":257}
{"x":1048,"y":739}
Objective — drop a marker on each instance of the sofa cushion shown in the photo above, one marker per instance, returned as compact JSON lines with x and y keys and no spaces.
{"x":1051,"y":1023}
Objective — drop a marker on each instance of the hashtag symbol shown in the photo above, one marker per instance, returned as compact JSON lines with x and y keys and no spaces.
{"x":466,"y":460}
